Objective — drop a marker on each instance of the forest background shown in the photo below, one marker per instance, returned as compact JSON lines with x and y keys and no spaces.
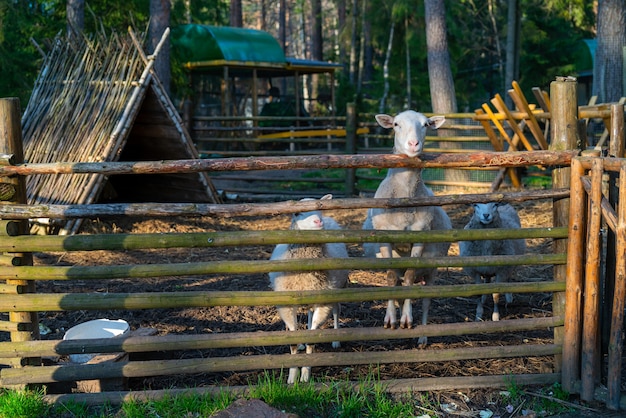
{"x":386,"y":48}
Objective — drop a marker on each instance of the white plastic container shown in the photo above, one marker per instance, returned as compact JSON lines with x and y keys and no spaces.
{"x":98,"y":328}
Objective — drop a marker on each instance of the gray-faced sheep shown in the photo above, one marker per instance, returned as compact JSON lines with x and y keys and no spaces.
{"x":492,"y":215}
{"x":309,"y":280}
{"x":410,"y":131}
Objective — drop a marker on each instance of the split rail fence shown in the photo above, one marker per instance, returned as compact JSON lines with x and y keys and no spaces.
{"x":22,"y":355}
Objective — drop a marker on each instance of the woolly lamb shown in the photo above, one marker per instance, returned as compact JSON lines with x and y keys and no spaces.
{"x":492,"y":215}
{"x":309,"y":280}
{"x":410,"y":131}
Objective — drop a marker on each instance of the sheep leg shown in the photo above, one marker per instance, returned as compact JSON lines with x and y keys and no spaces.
{"x":501,"y":277}
{"x":320,"y":314}
{"x":390,"y":316}
{"x":425,"y":307}
{"x":481,"y":299}
{"x":406,"y":320}
{"x":495,"y":316}
{"x":336,"y":310}
{"x":289,"y":317}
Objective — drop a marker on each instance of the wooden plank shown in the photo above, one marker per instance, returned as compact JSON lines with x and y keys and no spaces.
{"x":491,"y":134}
{"x":498,"y":102}
{"x":543,"y":99}
{"x":496,"y":122}
{"x":521,"y":102}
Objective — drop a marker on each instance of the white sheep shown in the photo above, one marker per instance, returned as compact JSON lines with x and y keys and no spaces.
{"x":492,"y":215}
{"x":410,"y":131}
{"x":309,"y":280}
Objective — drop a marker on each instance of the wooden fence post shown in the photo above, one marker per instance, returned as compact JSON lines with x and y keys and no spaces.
{"x":11,"y":144}
{"x":564,"y":136}
{"x":616,"y":149}
{"x":350,"y":146}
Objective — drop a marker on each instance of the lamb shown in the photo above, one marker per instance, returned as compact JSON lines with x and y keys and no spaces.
{"x":309,"y":280}
{"x":410,"y":131}
{"x":492,"y":215}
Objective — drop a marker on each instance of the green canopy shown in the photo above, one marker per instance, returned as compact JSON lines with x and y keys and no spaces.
{"x":205,"y":47}
{"x":201,"y":43}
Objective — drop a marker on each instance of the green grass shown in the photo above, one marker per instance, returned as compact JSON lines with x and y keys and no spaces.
{"x":368,"y":399}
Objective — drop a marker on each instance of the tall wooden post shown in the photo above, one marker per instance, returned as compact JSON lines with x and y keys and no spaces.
{"x":564,"y":118}
{"x":590,"y":357}
{"x":11,"y":144}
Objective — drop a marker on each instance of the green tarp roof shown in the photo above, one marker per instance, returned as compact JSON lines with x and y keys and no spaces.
{"x":205,"y":47}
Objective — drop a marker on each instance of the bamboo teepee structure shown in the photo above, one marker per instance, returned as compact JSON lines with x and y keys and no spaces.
{"x":99,"y":100}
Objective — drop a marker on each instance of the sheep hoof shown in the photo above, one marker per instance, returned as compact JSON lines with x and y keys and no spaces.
{"x":294,"y":372}
{"x":306,"y":374}
{"x":495,"y":316}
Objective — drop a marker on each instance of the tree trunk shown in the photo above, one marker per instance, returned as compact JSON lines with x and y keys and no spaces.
{"x":442,"y":93}
{"x":611,"y":35}
{"x":317,"y":46}
{"x":236,"y":15}
{"x":282,"y":24}
{"x":159,"y":22}
{"x":75,"y":10}
{"x":353,"y":46}
{"x":408,"y":62}
{"x":381,"y":108}
{"x":341,"y":26}
{"x":512,"y":46}
{"x":362,"y":48}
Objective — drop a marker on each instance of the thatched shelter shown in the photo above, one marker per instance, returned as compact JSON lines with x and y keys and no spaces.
{"x":98,"y":100}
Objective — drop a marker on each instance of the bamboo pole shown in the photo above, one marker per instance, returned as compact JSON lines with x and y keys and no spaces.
{"x":617,"y":320}
{"x":591,"y":364}
{"x":171,"y":342}
{"x":166,"y":300}
{"x":478,"y":159}
{"x":52,"y":243}
{"x":564,"y":136}
{"x":255,"y":209}
{"x":47,"y":374}
{"x":108,"y":272}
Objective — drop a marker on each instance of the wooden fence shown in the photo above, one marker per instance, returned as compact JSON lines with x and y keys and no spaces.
{"x":18,"y":297}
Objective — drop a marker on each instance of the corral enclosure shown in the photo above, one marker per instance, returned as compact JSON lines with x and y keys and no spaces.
{"x":185,"y":286}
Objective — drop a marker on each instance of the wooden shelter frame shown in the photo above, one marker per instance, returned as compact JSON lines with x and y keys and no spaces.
{"x":100,"y":100}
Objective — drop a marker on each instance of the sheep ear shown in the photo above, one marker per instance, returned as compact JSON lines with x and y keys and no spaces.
{"x":385,"y":121}
{"x":326,"y":197}
{"x":435,"y":122}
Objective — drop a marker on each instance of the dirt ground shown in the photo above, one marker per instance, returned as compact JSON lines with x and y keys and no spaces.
{"x":250,"y":319}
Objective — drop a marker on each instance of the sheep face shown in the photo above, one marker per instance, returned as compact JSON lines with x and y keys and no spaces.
{"x":312,"y":220}
{"x":486,"y":213}
{"x":410,"y":130}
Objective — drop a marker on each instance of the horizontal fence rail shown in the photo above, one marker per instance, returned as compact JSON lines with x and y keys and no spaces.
{"x":153,"y":300}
